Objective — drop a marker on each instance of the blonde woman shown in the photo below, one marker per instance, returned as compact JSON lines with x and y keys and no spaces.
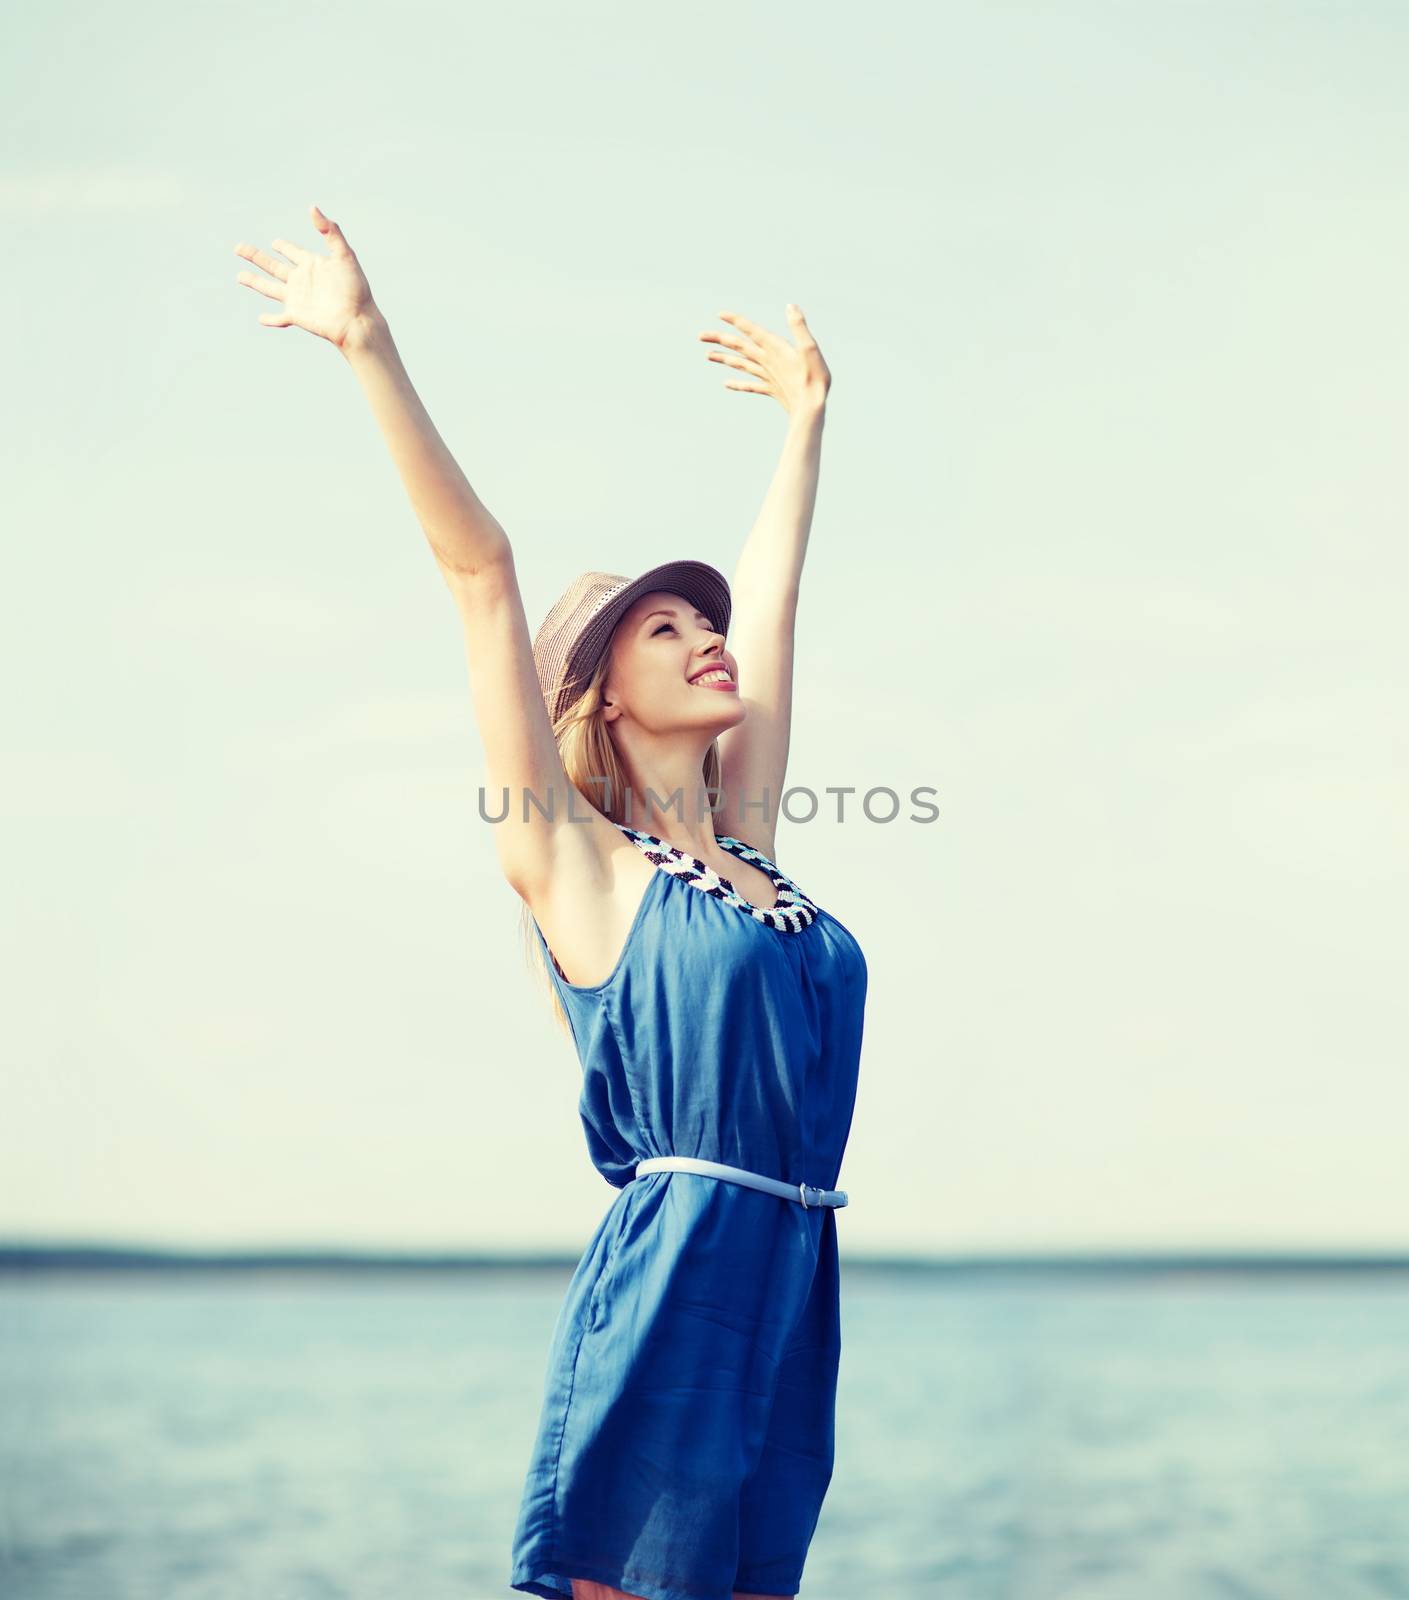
{"x":686,"y":1438}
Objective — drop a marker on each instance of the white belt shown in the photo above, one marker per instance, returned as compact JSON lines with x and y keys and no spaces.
{"x":804,"y":1192}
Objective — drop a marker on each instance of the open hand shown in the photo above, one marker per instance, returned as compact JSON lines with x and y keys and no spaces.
{"x":327,"y":295}
{"x":794,"y":374}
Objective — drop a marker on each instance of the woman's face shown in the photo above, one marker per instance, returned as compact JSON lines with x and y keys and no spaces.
{"x":659,"y":646}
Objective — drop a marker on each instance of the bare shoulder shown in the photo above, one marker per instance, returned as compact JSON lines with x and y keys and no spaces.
{"x":754,"y":829}
{"x":586,"y":897}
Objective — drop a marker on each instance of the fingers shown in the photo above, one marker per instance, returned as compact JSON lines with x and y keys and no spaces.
{"x":295,"y":254}
{"x":801,"y":332}
{"x":743,"y":366}
{"x":729,"y":341}
{"x":279,"y":269}
{"x":760,"y":335}
{"x":750,"y":346}
{"x":275,"y":291}
{"x":331,"y":232}
{"x":745,"y":359}
{"x":752,"y":329}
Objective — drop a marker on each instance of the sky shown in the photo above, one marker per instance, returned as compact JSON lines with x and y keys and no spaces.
{"x":1108,"y":553}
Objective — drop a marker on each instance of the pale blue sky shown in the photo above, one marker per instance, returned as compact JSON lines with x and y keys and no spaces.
{"x":1109,"y":549}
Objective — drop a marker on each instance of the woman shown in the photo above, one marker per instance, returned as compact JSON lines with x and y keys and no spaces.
{"x":685,"y":1442}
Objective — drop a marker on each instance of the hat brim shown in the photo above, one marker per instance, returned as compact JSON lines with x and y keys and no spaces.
{"x":696,"y":581}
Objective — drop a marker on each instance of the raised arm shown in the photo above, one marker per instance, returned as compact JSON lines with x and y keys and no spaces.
{"x":768,"y":576}
{"x":329,"y":296}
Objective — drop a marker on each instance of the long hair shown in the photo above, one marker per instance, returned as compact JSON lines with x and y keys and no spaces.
{"x":587,"y":752}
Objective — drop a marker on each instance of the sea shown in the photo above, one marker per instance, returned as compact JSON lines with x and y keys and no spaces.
{"x":356,"y":1431}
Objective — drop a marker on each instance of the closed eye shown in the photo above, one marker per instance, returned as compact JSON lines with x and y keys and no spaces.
{"x":709,"y":627}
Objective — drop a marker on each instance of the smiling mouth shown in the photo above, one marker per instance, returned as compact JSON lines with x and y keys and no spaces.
{"x":714,"y":675}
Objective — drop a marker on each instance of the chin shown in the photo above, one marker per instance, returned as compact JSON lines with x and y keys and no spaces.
{"x":726,"y":717}
{"x":729,"y":711}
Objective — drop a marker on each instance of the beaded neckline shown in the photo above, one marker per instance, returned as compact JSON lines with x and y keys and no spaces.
{"x":793,"y":912}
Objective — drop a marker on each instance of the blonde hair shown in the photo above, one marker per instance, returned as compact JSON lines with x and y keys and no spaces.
{"x":586,"y":750}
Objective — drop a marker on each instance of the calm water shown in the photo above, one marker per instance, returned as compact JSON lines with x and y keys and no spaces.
{"x":227,"y":1436}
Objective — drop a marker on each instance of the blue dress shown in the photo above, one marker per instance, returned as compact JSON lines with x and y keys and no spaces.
{"x":685,"y":1442}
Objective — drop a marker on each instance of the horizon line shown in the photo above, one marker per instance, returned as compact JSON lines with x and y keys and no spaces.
{"x":17,"y":1255}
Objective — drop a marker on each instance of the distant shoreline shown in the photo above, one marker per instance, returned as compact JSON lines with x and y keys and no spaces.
{"x":29,"y":1260}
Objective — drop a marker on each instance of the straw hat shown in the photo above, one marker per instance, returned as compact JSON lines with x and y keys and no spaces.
{"x":576,"y":632}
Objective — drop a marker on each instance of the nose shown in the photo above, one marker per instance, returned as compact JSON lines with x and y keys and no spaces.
{"x":712,"y":652}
